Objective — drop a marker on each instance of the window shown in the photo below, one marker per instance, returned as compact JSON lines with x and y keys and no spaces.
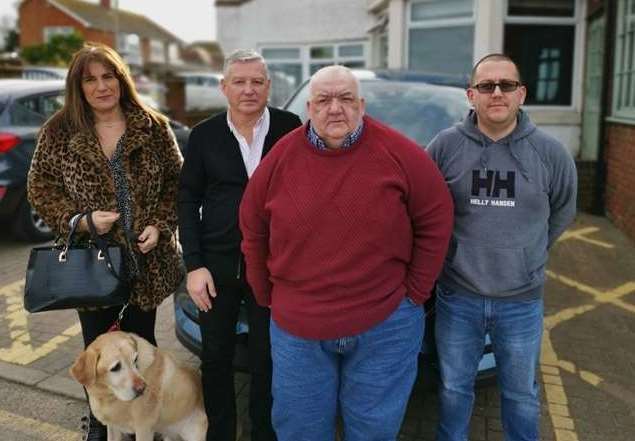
{"x":174,"y":54}
{"x":157,"y":51}
{"x":624,"y":71}
{"x":320,"y":52}
{"x":130,"y":48}
{"x":533,"y":8}
{"x":289,"y":66}
{"x":50,"y":31}
{"x":540,"y":37}
{"x":350,"y":50}
{"x":290,"y":53}
{"x":35,"y":110}
{"x":49,"y":104}
{"x":441,"y":36}
{"x":349,"y":55}
{"x":285,"y":69}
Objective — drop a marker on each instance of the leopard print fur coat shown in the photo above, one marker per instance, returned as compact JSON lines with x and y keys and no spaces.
{"x":69,"y":174}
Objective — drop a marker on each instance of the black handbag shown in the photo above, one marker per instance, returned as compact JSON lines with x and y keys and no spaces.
{"x":73,"y":275}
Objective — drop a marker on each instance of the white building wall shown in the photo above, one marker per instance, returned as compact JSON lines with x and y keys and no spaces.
{"x":262,"y":22}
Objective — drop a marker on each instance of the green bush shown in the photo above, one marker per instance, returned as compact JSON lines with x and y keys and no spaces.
{"x":58,"y":51}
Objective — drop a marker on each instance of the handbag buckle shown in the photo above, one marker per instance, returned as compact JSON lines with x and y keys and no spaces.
{"x":100,"y":255}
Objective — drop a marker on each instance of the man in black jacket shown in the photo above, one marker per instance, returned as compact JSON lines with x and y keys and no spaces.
{"x":223,"y":151}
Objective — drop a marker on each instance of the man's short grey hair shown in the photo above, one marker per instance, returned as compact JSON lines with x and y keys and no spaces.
{"x":243,"y":56}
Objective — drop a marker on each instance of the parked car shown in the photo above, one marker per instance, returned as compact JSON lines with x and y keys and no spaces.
{"x":202,"y":91}
{"x":417,"y":105}
{"x":24,"y":106}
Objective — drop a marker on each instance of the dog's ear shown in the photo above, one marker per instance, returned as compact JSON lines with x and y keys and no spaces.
{"x":84,"y":370}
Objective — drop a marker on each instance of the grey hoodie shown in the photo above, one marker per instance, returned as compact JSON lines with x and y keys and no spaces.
{"x":512,"y":199}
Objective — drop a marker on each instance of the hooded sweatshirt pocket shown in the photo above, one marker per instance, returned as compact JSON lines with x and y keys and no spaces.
{"x":490,"y":270}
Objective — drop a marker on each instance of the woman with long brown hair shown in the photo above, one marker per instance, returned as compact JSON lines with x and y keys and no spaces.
{"x":106,"y":153}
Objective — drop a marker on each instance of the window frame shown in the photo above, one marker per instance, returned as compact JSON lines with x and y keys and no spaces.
{"x":623,"y":113}
{"x":578,"y":45}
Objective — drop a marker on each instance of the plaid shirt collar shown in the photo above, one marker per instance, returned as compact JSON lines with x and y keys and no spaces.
{"x":319,"y":144}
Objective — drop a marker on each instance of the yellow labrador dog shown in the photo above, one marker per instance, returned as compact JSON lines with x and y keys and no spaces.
{"x":133,"y":387}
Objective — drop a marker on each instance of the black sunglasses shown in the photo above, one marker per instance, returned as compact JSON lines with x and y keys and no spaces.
{"x":490,"y":86}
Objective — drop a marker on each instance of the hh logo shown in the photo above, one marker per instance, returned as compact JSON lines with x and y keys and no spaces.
{"x":493,"y":183}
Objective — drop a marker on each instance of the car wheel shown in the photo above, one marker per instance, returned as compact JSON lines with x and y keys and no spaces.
{"x":29,"y":225}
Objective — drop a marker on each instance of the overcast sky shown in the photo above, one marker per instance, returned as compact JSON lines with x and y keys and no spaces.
{"x":188,"y":19}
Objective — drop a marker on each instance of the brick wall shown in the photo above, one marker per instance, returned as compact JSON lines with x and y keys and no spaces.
{"x":35,"y":15}
{"x":620,"y":177}
{"x":95,"y":35}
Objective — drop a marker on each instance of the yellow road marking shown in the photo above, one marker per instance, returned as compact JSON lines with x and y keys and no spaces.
{"x":551,"y":365}
{"x":581,"y":234}
{"x":35,"y":428}
{"x":613,"y":296}
{"x":556,"y":396}
{"x":21,"y":350}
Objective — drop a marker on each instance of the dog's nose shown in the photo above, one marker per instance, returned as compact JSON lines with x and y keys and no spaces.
{"x":139,"y":387}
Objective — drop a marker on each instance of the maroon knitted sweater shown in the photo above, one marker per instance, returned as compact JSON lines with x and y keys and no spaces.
{"x":334,"y":240}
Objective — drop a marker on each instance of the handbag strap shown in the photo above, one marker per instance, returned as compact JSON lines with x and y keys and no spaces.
{"x":69,"y":239}
{"x":102,"y":245}
{"x":74,"y":224}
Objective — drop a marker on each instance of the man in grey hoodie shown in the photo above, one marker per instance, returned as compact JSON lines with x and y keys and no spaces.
{"x":514,"y":190}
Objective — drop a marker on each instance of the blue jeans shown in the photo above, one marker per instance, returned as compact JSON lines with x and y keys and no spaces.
{"x":367,"y":378}
{"x":515,"y":329}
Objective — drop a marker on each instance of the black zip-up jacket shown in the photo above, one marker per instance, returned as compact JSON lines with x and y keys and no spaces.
{"x":213,"y":179}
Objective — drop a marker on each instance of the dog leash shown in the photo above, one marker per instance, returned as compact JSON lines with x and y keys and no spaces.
{"x":116,"y":326}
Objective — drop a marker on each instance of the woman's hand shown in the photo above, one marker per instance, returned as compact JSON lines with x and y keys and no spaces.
{"x":148,"y":239}
{"x":103,"y":221}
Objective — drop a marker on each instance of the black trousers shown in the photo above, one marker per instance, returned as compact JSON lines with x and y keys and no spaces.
{"x":218,"y":331}
{"x":95,"y":323}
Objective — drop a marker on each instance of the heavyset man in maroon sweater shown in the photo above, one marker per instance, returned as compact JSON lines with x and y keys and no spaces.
{"x":345,"y":227}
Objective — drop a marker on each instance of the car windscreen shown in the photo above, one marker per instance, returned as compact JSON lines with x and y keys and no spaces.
{"x":418,"y":110}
